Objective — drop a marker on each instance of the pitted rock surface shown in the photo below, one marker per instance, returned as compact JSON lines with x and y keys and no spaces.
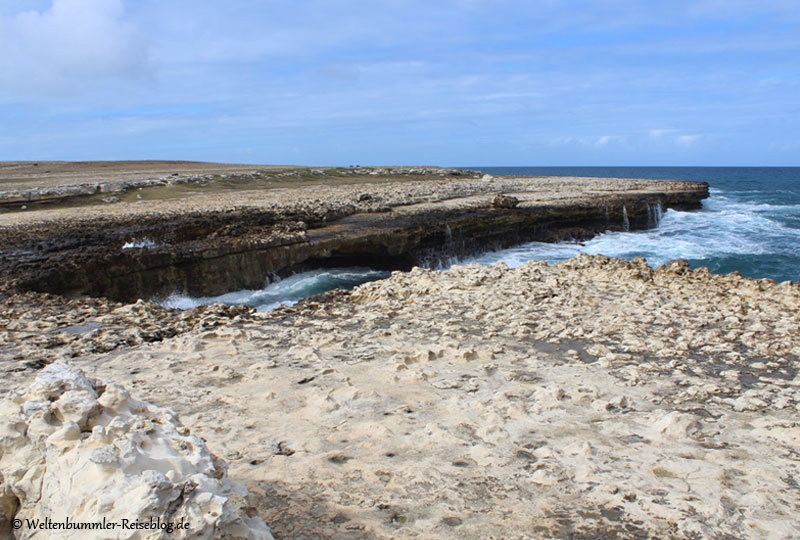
{"x":75,"y":449}
{"x":597,"y":398}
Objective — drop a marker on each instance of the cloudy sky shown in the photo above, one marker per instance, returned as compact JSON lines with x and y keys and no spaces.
{"x":446,"y":82}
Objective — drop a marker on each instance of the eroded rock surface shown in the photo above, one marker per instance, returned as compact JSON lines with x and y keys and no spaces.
{"x":598,"y":398}
{"x":208,"y":242}
{"x":75,"y":449}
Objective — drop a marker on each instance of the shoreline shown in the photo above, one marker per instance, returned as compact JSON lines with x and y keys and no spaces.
{"x":219,"y":239}
{"x":594,"y":398}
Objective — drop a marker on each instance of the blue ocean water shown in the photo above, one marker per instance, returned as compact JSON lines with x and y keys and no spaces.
{"x":750,"y":223}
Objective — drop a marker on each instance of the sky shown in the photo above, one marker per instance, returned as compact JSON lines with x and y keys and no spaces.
{"x":402,"y":82}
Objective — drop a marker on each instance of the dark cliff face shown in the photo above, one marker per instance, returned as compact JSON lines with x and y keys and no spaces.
{"x":210,"y":254}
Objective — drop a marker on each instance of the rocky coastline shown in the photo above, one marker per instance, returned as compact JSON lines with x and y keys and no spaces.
{"x":211,"y":242}
{"x":597,"y":398}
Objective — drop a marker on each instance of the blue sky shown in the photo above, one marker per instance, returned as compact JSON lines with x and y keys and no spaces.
{"x":456,"y":82}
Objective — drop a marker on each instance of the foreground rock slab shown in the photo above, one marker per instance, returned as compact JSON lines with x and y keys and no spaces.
{"x":73,"y":450}
{"x":598,"y":398}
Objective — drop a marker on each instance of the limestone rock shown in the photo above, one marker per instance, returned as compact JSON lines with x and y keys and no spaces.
{"x":505,"y":201}
{"x":73,"y":448}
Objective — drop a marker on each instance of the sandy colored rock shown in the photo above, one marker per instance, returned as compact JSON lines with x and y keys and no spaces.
{"x":71,"y":448}
{"x":591,"y":399}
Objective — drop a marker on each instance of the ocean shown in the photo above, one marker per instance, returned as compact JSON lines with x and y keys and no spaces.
{"x":750,"y":224}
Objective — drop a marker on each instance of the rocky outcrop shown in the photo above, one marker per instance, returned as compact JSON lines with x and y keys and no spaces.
{"x":101,"y":188}
{"x":596,"y":398}
{"x":504,"y":201}
{"x":73,"y":449}
{"x":142,"y":252}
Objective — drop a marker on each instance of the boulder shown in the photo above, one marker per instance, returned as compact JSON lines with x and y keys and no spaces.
{"x":72,"y":448}
{"x":505,"y":201}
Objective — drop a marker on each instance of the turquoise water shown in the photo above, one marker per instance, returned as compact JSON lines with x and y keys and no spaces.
{"x":286,"y":291}
{"x":750,"y":223}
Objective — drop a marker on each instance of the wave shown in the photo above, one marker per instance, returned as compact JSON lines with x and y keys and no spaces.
{"x":723,"y":203}
{"x":287,"y":291}
{"x":722,"y":229}
{"x":757,"y":236}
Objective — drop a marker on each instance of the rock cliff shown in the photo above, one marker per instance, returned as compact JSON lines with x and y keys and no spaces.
{"x":210,"y":245}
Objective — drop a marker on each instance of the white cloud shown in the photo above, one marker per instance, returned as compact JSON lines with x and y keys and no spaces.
{"x":658,"y":134}
{"x":590,"y":141}
{"x":71,"y":45}
{"x":604,"y":140}
{"x":673,"y":137}
{"x":621,"y":80}
{"x":686,"y":140}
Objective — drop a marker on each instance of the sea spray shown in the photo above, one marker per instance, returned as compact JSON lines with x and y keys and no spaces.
{"x":286,"y":291}
{"x":751,"y":223}
{"x":724,"y":236}
{"x":654,"y":214}
{"x":139,"y":243}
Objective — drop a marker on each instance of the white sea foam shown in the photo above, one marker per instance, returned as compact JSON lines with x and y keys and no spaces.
{"x":723,"y":228}
{"x":287,"y":291}
{"x":728,"y":227}
{"x":139,"y":243}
